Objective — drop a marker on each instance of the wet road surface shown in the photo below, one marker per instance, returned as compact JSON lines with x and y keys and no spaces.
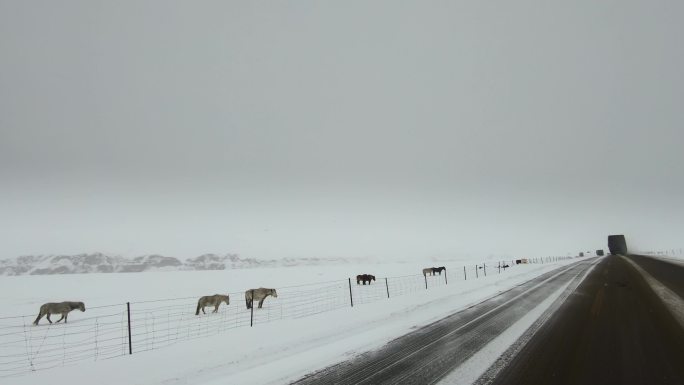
{"x":613,"y":329}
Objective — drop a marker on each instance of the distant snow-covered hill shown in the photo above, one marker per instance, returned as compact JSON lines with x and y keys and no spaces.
{"x":101,"y":263}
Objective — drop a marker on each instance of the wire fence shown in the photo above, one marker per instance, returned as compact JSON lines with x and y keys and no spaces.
{"x":110,"y":331}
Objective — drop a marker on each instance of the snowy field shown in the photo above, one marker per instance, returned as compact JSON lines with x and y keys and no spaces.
{"x":310,"y":325}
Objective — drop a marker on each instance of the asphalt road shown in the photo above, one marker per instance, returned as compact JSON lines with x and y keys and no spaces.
{"x":426,"y":355}
{"x":613,"y":329}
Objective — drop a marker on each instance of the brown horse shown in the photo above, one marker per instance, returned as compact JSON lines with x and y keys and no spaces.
{"x":364,"y":278}
{"x":439,"y":270}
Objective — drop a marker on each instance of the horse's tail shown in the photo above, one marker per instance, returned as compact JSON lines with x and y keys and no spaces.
{"x":199,"y":304}
{"x":40,"y":315}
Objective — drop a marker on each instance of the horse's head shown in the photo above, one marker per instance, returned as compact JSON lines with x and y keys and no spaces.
{"x":226,"y":299}
{"x":371,"y":277}
{"x":81,"y":306}
{"x":273,"y":293}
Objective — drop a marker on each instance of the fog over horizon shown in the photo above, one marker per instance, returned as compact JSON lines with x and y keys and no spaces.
{"x":340,"y":129}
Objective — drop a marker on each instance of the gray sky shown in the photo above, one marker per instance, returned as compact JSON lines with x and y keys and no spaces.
{"x":346,"y":128}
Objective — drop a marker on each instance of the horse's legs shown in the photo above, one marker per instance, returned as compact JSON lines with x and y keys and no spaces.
{"x":48,"y":317}
{"x":203,"y":312}
{"x":60,"y":318}
{"x":216,"y":308}
{"x":261,"y":302}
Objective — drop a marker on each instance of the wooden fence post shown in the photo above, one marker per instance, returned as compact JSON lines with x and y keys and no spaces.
{"x":387,"y":287}
{"x":351,"y":298}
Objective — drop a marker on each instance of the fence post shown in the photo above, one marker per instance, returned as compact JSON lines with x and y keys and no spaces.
{"x":251,"y":311}
{"x":477,"y":275}
{"x":425,"y":276}
{"x":130,"y":345}
{"x":387,"y":287}
{"x":351,"y":298}
{"x":499,"y":267}
{"x":484,"y":265}
{"x":465,"y":276}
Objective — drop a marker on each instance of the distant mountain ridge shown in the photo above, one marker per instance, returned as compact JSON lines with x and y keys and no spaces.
{"x":102,"y":263}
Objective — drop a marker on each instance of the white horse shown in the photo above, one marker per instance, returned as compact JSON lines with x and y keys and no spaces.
{"x":211,"y":300}
{"x":259,"y":295}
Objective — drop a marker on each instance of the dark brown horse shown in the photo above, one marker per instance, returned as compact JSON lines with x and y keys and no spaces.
{"x":439,"y":270}
{"x":364,"y":278}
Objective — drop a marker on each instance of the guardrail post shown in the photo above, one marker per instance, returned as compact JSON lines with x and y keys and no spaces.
{"x":130,"y":344}
{"x":477,"y":275}
{"x":499,"y":267}
{"x":387,"y":287}
{"x":484,"y":266}
{"x":465,"y":276}
{"x":351,"y":297}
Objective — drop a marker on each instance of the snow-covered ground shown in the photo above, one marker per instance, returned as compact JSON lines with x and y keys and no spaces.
{"x":221,"y":348}
{"x":675,"y":256}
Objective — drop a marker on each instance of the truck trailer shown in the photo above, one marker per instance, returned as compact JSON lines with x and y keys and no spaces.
{"x":617,"y":244}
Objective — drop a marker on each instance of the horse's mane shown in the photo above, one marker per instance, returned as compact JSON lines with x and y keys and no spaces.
{"x":75,"y":305}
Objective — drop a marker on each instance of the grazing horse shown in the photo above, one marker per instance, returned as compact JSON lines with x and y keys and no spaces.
{"x":211,"y":300}
{"x":428,"y":271}
{"x":439,"y":270}
{"x":364,"y":278}
{"x":62,"y":308}
{"x":260,"y":295}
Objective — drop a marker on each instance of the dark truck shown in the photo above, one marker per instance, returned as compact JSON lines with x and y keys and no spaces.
{"x":617,"y":244}
{"x":599,"y":252}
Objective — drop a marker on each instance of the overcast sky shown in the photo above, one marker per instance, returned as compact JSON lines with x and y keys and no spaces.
{"x":340,"y":128}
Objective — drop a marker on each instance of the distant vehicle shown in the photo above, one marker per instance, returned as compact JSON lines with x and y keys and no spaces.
{"x":581,"y":254}
{"x":599,"y":252}
{"x":617,"y":244}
